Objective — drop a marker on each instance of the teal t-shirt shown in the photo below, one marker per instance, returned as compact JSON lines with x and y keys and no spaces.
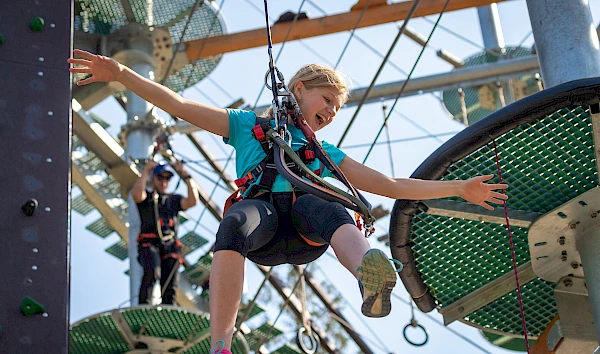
{"x":249,"y":153}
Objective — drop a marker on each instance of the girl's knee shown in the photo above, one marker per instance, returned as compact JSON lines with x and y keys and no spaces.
{"x":248,"y":225}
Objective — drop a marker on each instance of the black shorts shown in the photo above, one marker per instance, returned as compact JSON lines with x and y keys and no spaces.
{"x":267,"y":230}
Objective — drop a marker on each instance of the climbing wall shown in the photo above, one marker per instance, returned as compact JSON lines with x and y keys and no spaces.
{"x":35,"y":128}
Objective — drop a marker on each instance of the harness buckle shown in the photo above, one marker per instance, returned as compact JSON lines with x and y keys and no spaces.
{"x":309,"y":155}
{"x":241,"y":182}
{"x":258,"y":133}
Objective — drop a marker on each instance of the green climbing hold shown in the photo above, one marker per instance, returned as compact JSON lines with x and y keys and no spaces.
{"x":37,"y":24}
{"x":1,"y":39}
{"x":30,"y":307}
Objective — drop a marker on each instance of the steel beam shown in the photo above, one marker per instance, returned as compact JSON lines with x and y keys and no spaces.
{"x":487,"y":294}
{"x":470,"y":211}
{"x":96,"y":139}
{"x":376,"y":15}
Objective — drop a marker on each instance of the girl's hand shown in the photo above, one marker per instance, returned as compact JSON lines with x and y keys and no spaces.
{"x":103,"y":69}
{"x":474,"y":190}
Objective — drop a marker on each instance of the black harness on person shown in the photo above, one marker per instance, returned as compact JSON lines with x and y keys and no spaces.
{"x":266,"y":171}
{"x":281,"y":159}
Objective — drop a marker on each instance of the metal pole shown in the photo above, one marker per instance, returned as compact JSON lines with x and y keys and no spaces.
{"x":139,"y":145}
{"x":588,"y":243}
{"x":493,"y":39}
{"x":565,"y":39}
{"x":491,"y":30}
{"x":568,"y":49}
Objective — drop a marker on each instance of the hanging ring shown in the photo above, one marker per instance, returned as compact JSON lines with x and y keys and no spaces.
{"x":415,"y":325}
{"x":313,"y":339}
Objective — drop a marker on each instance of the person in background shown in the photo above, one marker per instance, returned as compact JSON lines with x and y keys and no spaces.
{"x":159,"y":250}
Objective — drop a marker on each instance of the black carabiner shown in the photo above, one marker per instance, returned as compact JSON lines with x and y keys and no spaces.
{"x":415,"y":324}
{"x":313,"y":339}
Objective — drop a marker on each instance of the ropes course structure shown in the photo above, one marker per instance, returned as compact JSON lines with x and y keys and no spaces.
{"x":525,"y":276}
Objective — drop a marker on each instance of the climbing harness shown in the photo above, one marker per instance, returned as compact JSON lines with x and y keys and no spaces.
{"x":277,"y":142}
{"x":170,"y":234}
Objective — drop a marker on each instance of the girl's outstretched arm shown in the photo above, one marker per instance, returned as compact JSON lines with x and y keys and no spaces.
{"x":105,"y":69}
{"x":473,"y":190}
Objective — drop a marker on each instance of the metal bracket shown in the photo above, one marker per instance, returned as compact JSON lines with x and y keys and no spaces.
{"x":152,"y":122}
{"x":552,"y":238}
{"x":574,"y":332}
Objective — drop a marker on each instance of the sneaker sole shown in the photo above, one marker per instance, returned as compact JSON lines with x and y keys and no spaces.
{"x":378,"y":277}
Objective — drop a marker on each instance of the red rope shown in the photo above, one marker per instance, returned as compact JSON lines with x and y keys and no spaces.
{"x":512,"y":252}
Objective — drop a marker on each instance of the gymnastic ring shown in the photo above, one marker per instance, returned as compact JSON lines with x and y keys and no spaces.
{"x":411,"y":342}
{"x":314,"y":341}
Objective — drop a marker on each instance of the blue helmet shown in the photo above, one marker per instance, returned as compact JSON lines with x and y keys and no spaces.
{"x":161,"y":167}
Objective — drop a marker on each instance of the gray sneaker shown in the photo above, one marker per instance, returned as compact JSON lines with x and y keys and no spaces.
{"x":376,"y":279}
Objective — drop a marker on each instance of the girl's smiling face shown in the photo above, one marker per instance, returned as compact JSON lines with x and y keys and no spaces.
{"x":319,"y":105}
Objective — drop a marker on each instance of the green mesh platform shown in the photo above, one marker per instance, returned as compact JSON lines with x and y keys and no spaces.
{"x":76,"y":142}
{"x":183,"y":218}
{"x":107,"y":16}
{"x":81,"y":205}
{"x":510,"y":343}
{"x":192,"y":241}
{"x":287,"y":349}
{"x":199,"y":272}
{"x":100,"y":228}
{"x":90,"y":162}
{"x":109,"y":185}
{"x":546,"y":163}
{"x":97,"y":335}
{"x":475,"y":110}
{"x":257,"y":336}
{"x":100,"y":334}
{"x":256,"y":310}
{"x":118,"y":250}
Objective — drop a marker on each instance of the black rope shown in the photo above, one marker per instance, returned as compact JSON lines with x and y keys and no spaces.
{"x":364,"y":98}
{"x":273,"y":81}
{"x":389,"y":142}
{"x":407,"y":80}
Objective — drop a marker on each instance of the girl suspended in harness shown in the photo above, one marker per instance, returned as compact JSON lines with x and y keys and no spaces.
{"x":275,"y":223}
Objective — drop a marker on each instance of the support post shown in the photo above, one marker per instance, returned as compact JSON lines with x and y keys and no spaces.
{"x":139,"y":145}
{"x":568,"y":49}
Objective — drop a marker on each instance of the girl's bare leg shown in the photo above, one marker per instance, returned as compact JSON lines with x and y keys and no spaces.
{"x":226,"y":283}
{"x":349,"y":245}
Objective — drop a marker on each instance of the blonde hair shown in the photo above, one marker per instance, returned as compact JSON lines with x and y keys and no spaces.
{"x":313,"y":76}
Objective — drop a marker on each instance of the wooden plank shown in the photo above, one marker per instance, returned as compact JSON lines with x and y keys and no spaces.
{"x":306,"y":28}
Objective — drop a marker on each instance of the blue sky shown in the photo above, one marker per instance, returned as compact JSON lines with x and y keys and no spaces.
{"x":98,"y":280}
